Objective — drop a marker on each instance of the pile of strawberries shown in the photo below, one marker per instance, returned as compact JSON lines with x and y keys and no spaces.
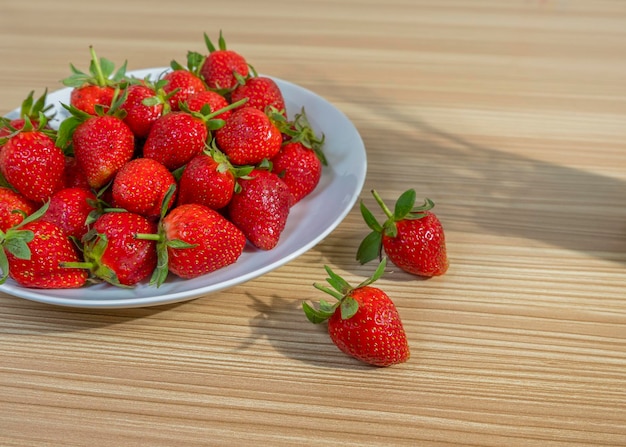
{"x":147,"y":177}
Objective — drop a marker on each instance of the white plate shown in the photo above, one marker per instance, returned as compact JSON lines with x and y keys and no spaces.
{"x":309,"y":222}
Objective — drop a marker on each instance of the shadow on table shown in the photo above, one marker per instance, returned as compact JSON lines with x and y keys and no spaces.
{"x":489,"y":191}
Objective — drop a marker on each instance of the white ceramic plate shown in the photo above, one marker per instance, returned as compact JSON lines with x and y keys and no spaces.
{"x":309,"y":222}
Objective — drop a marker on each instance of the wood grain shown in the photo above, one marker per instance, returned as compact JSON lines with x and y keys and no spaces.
{"x":509,"y":115}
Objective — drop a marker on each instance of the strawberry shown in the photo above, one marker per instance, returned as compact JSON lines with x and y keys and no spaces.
{"x":30,"y":110}
{"x":144,"y":104}
{"x":299,"y":167}
{"x":114,"y":254}
{"x":69,"y":209}
{"x":32,"y":164}
{"x":74,"y":177}
{"x":260,"y":209}
{"x":412,"y":236}
{"x":140,"y":187}
{"x":183,"y":82}
{"x":214,"y":100}
{"x":34,"y":252}
{"x":194,"y":240}
{"x":102,"y":144}
{"x":220,"y":65}
{"x":248,"y":136}
{"x":13,"y":208}
{"x":210,"y":180}
{"x":364,"y":323}
{"x":177,"y":137}
{"x":96,"y":88}
{"x":262,"y":93}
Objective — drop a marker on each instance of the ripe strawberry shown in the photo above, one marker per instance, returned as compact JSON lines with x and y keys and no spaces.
{"x":69,"y":209}
{"x":96,"y":88}
{"x":248,"y":136}
{"x":412,"y":237}
{"x":183,"y":82}
{"x":30,"y":110}
{"x":13,"y":208}
{"x":140,"y":187}
{"x":32,"y":164}
{"x":144,"y":104}
{"x":210,"y":180}
{"x":34,"y":252}
{"x":114,"y":254}
{"x":214,"y":100}
{"x":262,"y":93}
{"x":194,"y":240}
{"x":177,"y":137}
{"x":261,"y":208}
{"x":364,"y":323}
{"x":102,"y":143}
{"x":221,"y":65}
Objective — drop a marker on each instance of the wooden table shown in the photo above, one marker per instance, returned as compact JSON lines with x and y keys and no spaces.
{"x":511,"y":116}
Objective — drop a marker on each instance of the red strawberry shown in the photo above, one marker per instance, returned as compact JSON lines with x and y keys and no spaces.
{"x":248,"y":136}
{"x":194,"y":240}
{"x":221,"y":64}
{"x":140,"y":187}
{"x":262,"y":93}
{"x":32,"y":163}
{"x":183,"y":82}
{"x":412,"y":237}
{"x":299,"y":167}
{"x":261,"y":208}
{"x":13,"y":208}
{"x":102,"y":144}
{"x":209,"y":179}
{"x":214,"y":100}
{"x":364,"y":323}
{"x":143,"y":106}
{"x":114,"y":254}
{"x":74,"y":176}
{"x":69,"y":209}
{"x":34,"y":253}
{"x":29,"y":111}
{"x":96,"y":88}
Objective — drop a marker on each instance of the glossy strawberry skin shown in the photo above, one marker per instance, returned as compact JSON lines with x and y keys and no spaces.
{"x":140,"y":187}
{"x":140,"y":117}
{"x":218,"y":67}
{"x":419,"y":247}
{"x":299,"y":167}
{"x":375,"y":334}
{"x":248,"y":137}
{"x":49,"y":248}
{"x":130,"y":258}
{"x":262,"y":93}
{"x":217,"y":241}
{"x":187,"y":84}
{"x":69,"y":209}
{"x":102,"y":145}
{"x":202,"y":182}
{"x":33,"y":165}
{"x":208,"y":97}
{"x":11,"y":201}
{"x":175,"y":138}
{"x":87,"y":97}
{"x":261,"y":208}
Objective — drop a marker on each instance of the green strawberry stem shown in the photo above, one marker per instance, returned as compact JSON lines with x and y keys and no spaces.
{"x":100,"y":77}
{"x":382,"y":204}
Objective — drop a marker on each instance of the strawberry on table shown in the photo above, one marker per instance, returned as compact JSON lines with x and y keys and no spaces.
{"x":249,"y":136}
{"x":31,"y":162}
{"x":412,"y":236}
{"x":260,"y":209}
{"x":140,"y":187}
{"x":33,"y":254}
{"x":113,"y":252}
{"x":222,"y":66}
{"x":363,"y":323}
{"x":194,"y":240}
{"x":96,"y":88}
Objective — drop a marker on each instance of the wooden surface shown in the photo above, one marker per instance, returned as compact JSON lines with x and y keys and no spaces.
{"x":511,"y":116}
